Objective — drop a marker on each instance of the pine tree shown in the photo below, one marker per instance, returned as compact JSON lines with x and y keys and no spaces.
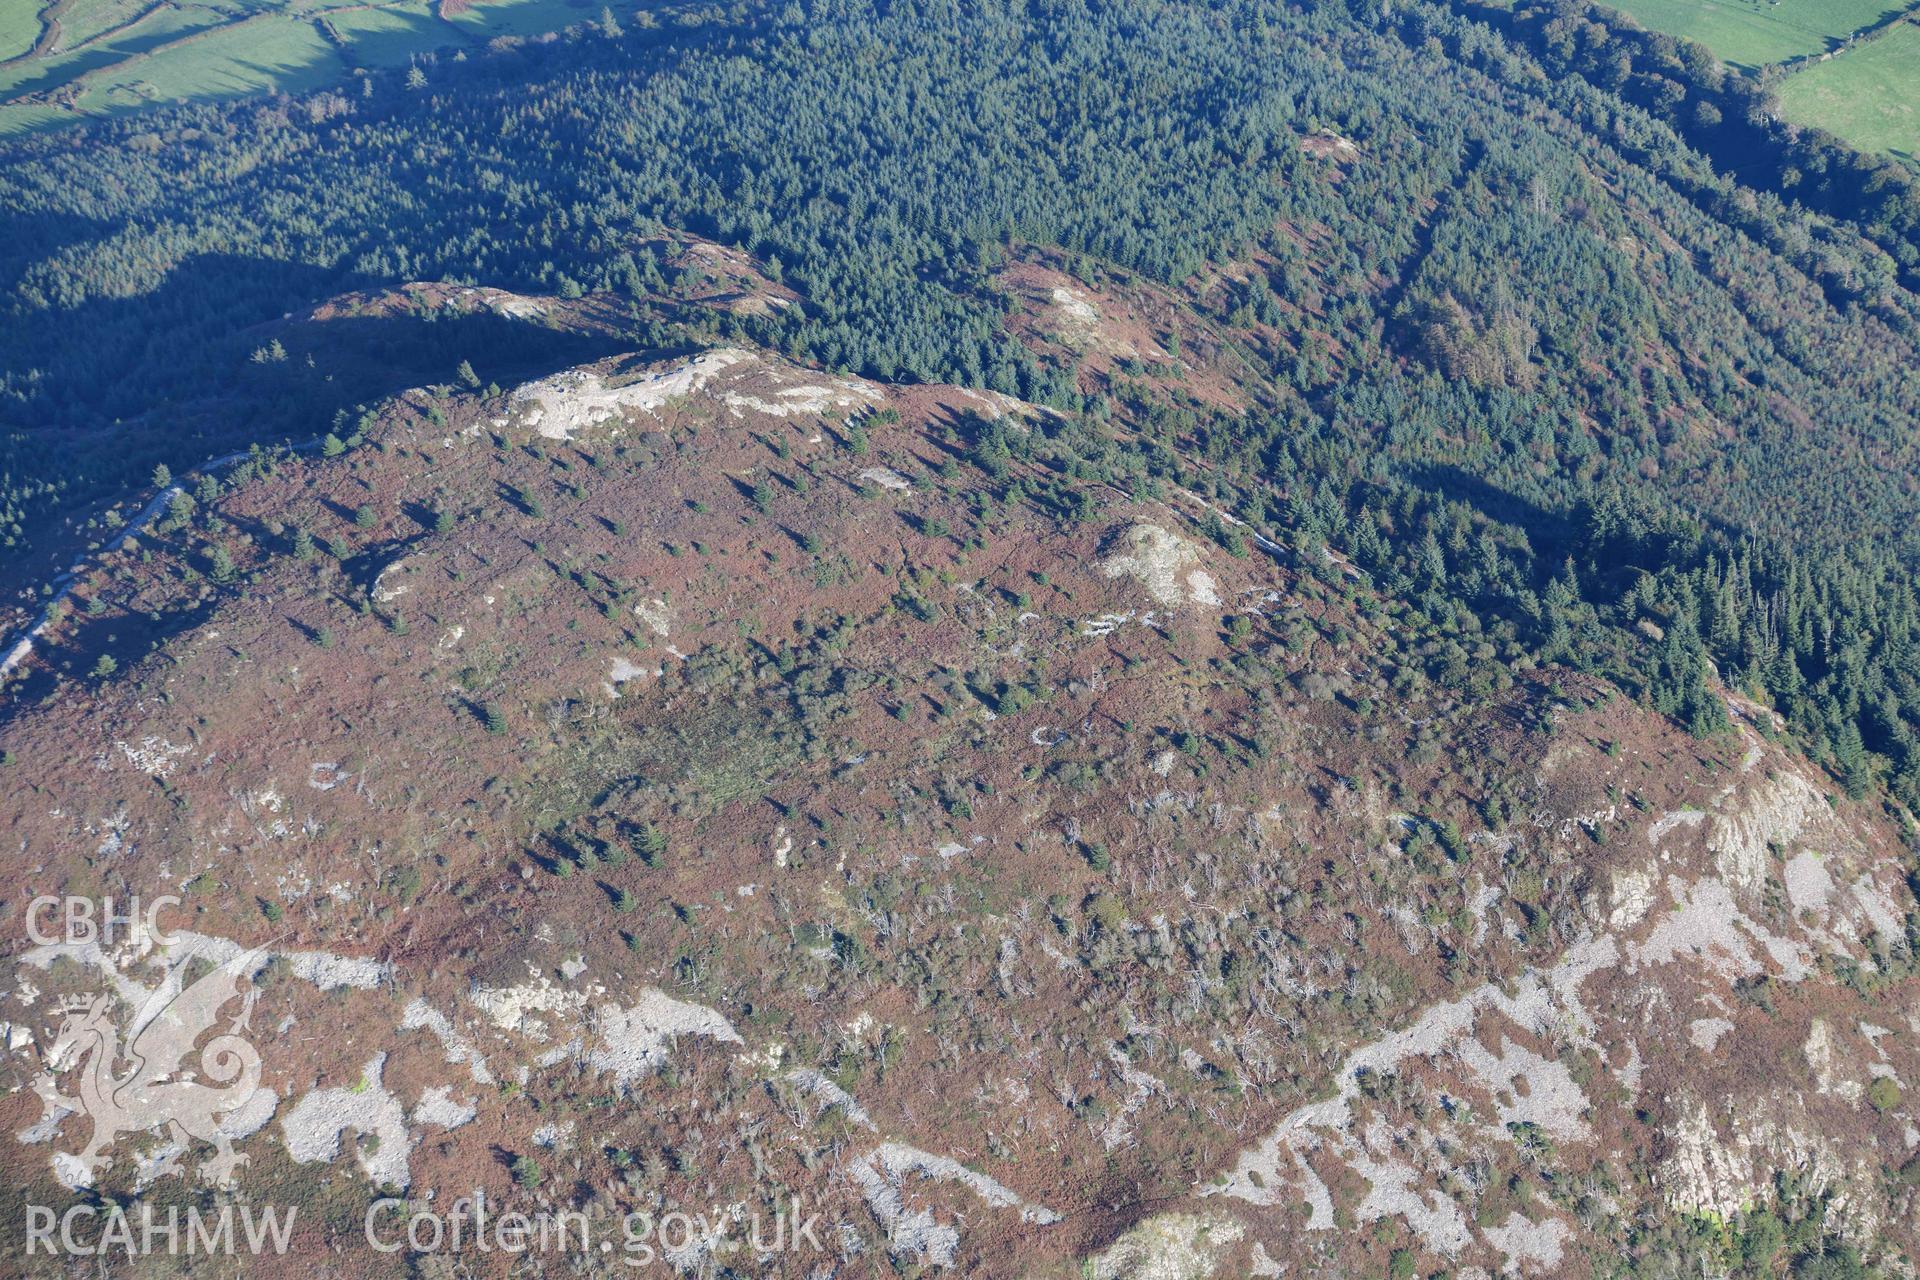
{"x":1850,"y":753}
{"x":1433,"y":561}
{"x":651,"y":843}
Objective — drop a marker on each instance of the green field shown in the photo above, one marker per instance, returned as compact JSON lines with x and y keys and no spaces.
{"x":1869,"y":95}
{"x":256,"y":55}
{"x":1753,"y":33}
{"x":19,"y":27}
{"x":111,"y":57}
{"x":484,"y":22}
{"x":390,"y":36}
{"x":84,"y":21}
{"x":41,"y":75}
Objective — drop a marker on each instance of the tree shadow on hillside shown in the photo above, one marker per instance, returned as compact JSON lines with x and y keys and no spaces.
{"x":1546,"y":529}
{"x":188,"y":369}
{"x":214,"y":359}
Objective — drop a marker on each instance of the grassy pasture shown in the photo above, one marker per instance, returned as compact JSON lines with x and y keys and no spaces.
{"x":1869,"y":95}
{"x":157,"y":28}
{"x":390,"y":36}
{"x":1753,"y":33}
{"x":19,"y":27}
{"x":83,"y":21}
{"x":255,"y":55}
{"x":494,"y":18}
{"x":118,"y":56}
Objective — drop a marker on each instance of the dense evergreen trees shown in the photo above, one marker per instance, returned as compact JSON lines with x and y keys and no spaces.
{"x":1532,"y":359}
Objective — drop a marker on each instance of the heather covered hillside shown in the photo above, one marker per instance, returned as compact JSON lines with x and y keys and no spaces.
{"x":1144,"y":885}
{"x":1134,"y":640}
{"x":1445,"y":277}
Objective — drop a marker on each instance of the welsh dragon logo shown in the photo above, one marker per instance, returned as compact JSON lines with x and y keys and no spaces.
{"x":136,"y":1078}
